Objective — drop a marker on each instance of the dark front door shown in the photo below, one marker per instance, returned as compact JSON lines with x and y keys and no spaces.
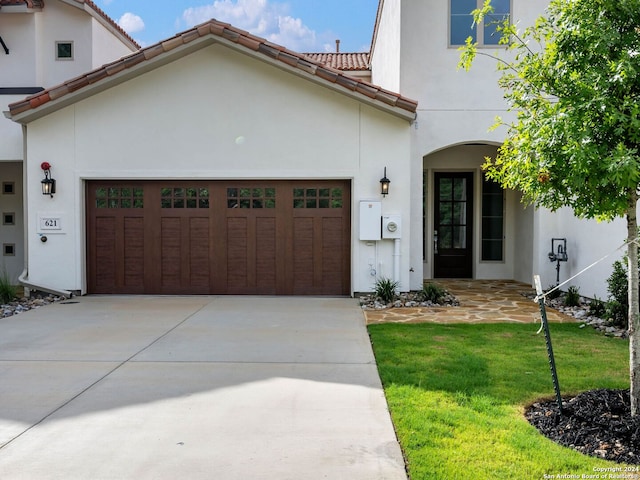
{"x":453,"y":227}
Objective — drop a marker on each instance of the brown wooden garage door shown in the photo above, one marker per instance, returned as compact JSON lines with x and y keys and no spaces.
{"x":214,"y":237}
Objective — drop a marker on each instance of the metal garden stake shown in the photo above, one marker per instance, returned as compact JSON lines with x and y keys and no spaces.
{"x":547,"y":336}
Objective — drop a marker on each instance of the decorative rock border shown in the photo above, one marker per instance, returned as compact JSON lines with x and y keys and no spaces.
{"x":406,"y":299}
{"x":581,"y":312}
{"x":25,"y":304}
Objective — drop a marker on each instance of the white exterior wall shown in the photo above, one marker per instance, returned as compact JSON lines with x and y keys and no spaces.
{"x":11,"y":146}
{"x":18,"y":69}
{"x":588,"y":241}
{"x":105,"y":46}
{"x":455,"y":106}
{"x":385,"y":56}
{"x":215,"y":114}
{"x":31,"y":37}
{"x":64,"y":23}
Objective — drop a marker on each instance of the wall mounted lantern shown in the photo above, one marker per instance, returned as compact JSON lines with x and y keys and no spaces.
{"x":384,"y":183}
{"x":48,"y":183}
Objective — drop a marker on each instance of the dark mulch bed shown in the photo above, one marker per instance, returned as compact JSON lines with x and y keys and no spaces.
{"x":596,"y":423}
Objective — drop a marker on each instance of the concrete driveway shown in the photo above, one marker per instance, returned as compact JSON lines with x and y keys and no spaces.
{"x":193,"y":388}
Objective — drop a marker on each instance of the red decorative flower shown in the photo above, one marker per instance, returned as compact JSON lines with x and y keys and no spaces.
{"x":45,"y":166}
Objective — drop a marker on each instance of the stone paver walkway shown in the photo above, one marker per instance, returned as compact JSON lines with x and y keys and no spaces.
{"x":481,"y":301}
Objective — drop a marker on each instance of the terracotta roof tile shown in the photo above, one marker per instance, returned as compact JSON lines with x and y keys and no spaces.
{"x":58,"y":92}
{"x":367,"y":90}
{"x":255,"y":44}
{"x":327,"y":74}
{"x":347,"y":82}
{"x":20,"y":107}
{"x":342,"y":61}
{"x":153,"y":51}
{"x":97,"y":75}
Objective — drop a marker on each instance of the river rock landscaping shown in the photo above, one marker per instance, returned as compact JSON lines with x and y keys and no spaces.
{"x":406,"y":299}
{"x":25,"y":304}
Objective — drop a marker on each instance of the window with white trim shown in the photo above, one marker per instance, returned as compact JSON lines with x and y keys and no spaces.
{"x":461,"y":24}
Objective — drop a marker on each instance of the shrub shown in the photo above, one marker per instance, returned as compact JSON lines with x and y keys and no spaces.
{"x":572,"y":297}
{"x":7,"y":290}
{"x":385,"y":289}
{"x":617,"y":308}
{"x":432,"y":292}
{"x":597,"y":307}
{"x":617,"y":313}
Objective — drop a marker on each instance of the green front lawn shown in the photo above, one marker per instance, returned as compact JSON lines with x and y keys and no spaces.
{"x":457,"y":394}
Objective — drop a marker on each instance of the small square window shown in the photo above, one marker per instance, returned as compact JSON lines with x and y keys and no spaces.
{"x":9,"y":249}
{"x":8,"y":188}
{"x":64,"y":50}
{"x":8,"y":218}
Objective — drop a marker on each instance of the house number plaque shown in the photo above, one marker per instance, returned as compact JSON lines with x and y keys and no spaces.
{"x":50,"y":223}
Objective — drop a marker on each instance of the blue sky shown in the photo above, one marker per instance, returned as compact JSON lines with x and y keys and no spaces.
{"x":301,"y":25}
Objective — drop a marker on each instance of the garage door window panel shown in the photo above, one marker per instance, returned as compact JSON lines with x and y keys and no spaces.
{"x":317,"y":198}
{"x":179,"y":197}
{"x":251,"y":197}
{"x":116,"y":197}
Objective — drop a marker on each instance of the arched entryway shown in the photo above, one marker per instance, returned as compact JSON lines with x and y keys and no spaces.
{"x":471,"y":225}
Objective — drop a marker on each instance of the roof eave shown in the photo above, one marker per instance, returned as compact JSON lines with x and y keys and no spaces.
{"x":333,"y":80}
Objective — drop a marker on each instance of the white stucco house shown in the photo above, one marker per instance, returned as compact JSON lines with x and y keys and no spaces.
{"x":41,"y":46}
{"x":216,"y":162}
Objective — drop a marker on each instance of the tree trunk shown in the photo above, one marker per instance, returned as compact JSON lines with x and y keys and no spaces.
{"x":634,"y":304}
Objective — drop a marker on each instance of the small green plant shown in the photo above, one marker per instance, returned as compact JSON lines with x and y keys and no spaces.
{"x":554,"y":293}
{"x":572,"y":297}
{"x":617,"y":308}
{"x":432,"y":292}
{"x":7,"y":290}
{"x":597,"y":307}
{"x":385,"y":289}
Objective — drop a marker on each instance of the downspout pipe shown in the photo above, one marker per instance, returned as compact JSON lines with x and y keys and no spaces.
{"x":396,"y":261}
{"x":55,"y":291}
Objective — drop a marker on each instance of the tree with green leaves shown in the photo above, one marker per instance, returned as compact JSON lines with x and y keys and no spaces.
{"x":572,"y":83}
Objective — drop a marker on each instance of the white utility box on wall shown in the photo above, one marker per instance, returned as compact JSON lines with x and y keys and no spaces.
{"x":370,"y":213}
{"x":391,"y":226}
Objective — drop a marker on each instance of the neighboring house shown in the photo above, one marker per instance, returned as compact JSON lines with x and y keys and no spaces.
{"x":216,"y":162}
{"x":43,"y":43}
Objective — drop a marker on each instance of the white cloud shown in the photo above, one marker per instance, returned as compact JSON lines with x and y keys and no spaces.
{"x":260,"y":17}
{"x":131,"y":23}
